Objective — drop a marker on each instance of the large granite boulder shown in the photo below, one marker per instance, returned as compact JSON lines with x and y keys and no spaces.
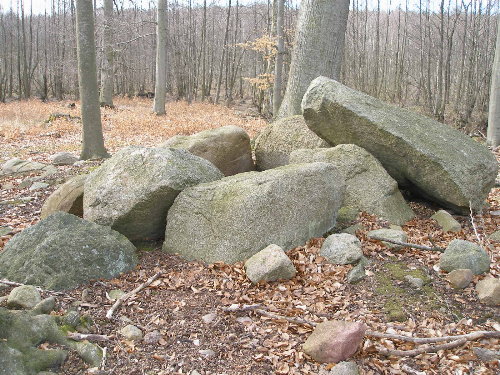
{"x":67,"y":198}
{"x":132,"y":191}
{"x":227,"y":147}
{"x":275,"y":143}
{"x":64,"y":251}
{"x":369,"y":187}
{"x":433,"y":159}
{"x":234,"y":218}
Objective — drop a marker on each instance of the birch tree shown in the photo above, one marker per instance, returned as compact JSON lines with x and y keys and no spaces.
{"x":161,"y":59}
{"x":318,"y":49}
{"x":493,"y":134}
{"x":93,"y":141}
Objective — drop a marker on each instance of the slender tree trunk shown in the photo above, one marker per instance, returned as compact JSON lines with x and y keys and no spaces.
{"x":161,"y":59}
{"x":318,"y":49}
{"x":278,"y":63}
{"x":224,"y":47}
{"x":93,"y":141}
{"x":493,"y":135}
{"x":107,"y":70}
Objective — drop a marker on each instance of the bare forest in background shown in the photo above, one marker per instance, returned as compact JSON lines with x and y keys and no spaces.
{"x":435,"y":59}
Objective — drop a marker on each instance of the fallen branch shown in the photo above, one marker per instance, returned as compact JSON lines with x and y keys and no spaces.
{"x":406,"y":244}
{"x":76,"y":336}
{"x":422,"y":350}
{"x":455,"y":341}
{"x":480,"y":241}
{"x":428,"y":340}
{"x":126,"y":296}
{"x":41,"y":290}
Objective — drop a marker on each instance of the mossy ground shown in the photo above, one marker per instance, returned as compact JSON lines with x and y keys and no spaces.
{"x":401,"y":300}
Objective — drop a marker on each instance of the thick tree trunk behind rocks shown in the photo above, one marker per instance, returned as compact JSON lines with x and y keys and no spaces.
{"x":161,"y":59}
{"x":93,"y":142}
{"x":318,"y":49}
{"x":493,"y":137}
{"x":107,"y":70}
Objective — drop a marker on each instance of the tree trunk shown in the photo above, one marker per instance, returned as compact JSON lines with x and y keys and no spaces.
{"x":278,"y":67}
{"x":107,"y":70}
{"x":493,"y":135}
{"x":93,"y":142}
{"x":318,"y":49}
{"x":161,"y":59}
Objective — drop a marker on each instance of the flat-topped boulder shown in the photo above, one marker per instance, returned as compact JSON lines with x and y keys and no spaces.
{"x":428,"y":157}
{"x":132,"y":191}
{"x":234,"y":218}
{"x":18,"y":166}
{"x":227,"y":147}
{"x":275,"y":142}
{"x":64,"y":251}
{"x":369,"y":187}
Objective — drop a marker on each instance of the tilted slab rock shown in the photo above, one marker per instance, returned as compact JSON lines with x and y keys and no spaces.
{"x":64,"y":251}
{"x":234,"y":218}
{"x":132,"y":191}
{"x":431,"y":158}
{"x":369,"y":187}
{"x":227,"y":147}
{"x":17,"y":166}
{"x":275,"y":143}
{"x":67,"y":198}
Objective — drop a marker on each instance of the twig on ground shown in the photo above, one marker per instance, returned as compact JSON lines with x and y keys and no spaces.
{"x":87,"y":336}
{"x":13,"y":283}
{"x":423,"y":349}
{"x":126,"y":296}
{"x":471,"y":215}
{"x":103,"y":361}
{"x":259,"y":309}
{"x":428,"y":340}
{"x":406,"y":244}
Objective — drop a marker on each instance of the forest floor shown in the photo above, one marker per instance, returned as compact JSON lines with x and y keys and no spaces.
{"x":245,"y":342}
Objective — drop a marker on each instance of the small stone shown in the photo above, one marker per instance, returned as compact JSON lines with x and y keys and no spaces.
{"x":24,"y":297}
{"x":345,"y":368}
{"x":209,"y":318}
{"x":25,"y":183}
{"x":334,"y":340}
{"x":194,"y":372}
{"x":207,"y":353}
{"x":38,"y":185}
{"x":72,"y":318}
{"x":357,"y":274}
{"x":353,"y":229}
{"x":446,"y":221}
{"x":341,"y":248}
{"x":86,"y":295}
{"x":460,"y":278}
{"x":5,"y":231}
{"x":462,"y":254}
{"x":90,"y":353}
{"x":46,"y":306}
{"x":487,"y":355}
{"x":244,"y":320}
{"x":495,"y":236}
{"x":153,"y":337}
{"x":269,"y":264}
{"x":8,"y":186}
{"x":114,"y":294}
{"x":488,"y":291}
{"x":417,"y":282}
{"x":131,"y":332}
{"x":63,"y":158}
{"x":390,"y":234}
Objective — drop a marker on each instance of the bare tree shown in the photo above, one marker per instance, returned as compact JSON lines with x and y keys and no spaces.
{"x":107,"y":70}
{"x":278,"y":66}
{"x":493,"y":135}
{"x":93,"y":141}
{"x":161,"y":58}
{"x":318,"y":49}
